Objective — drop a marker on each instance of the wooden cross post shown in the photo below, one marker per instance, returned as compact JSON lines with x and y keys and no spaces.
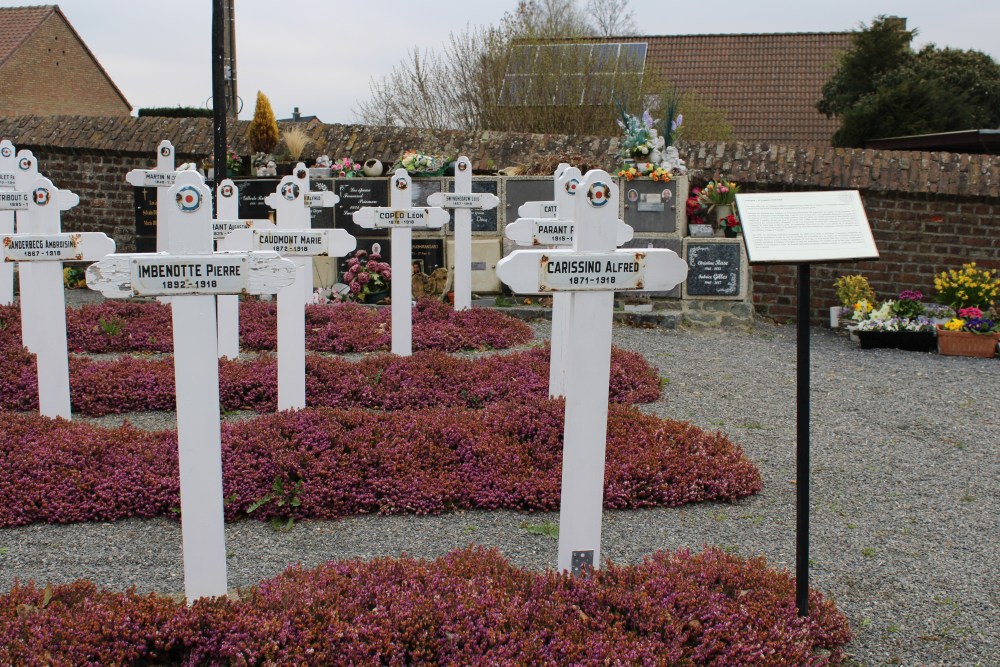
{"x":25,"y":174}
{"x":192,"y":275}
{"x":463,"y":200}
{"x":555,"y":228}
{"x":289,"y":202}
{"x":160,"y":178}
{"x":595,"y":270}
{"x":39,"y":242}
{"x":402,"y":219}
{"x":7,"y":184}
{"x":227,"y":198}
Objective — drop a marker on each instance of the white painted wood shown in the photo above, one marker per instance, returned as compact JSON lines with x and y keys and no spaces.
{"x":227,"y":306}
{"x":7,"y":183}
{"x":188,"y":226}
{"x":292,"y":215}
{"x":566,"y":179}
{"x":47,"y":302}
{"x":401,"y":288}
{"x":294,"y":243}
{"x":463,"y":200}
{"x":26,"y":173}
{"x":161,"y":178}
{"x":554,"y":232}
{"x":588,"y":345}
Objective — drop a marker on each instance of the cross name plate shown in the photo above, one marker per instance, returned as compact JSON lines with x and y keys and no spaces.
{"x":537,"y":272}
{"x":477,"y":200}
{"x":222,"y":228}
{"x":85,"y":246}
{"x":537,"y":209}
{"x":383,"y":217}
{"x":14,"y":201}
{"x":6,"y":179}
{"x":554,"y":232}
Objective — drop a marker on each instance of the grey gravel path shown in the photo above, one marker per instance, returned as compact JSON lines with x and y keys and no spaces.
{"x":904,"y":495}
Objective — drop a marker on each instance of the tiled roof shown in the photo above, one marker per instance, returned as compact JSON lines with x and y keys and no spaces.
{"x":767,"y":83}
{"x":17,"y":24}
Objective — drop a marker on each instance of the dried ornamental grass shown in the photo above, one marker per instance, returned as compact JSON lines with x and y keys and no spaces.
{"x":470,"y":607}
{"x":335,"y":463}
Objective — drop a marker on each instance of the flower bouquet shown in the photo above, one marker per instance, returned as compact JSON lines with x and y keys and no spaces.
{"x":345,"y":167}
{"x":639,"y":139}
{"x":367,"y":277}
{"x":417,"y":163}
{"x":718,"y":193}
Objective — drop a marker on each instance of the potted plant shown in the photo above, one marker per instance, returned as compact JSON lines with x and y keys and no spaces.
{"x":731,"y":226}
{"x":698,"y":224}
{"x":899,"y":324}
{"x":718,"y":196}
{"x":367,"y":278}
{"x":345,"y":167}
{"x":295,"y":140}
{"x":851,"y":290}
{"x":970,"y":334}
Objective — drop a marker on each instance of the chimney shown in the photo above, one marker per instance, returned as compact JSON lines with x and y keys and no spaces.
{"x":899,"y":22}
{"x":297,"y":116}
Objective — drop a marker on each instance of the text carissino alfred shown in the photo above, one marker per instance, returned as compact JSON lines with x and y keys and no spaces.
{"x":591,"y":266}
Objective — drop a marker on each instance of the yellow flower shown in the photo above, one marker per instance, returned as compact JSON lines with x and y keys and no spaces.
{"x":954,"y":324}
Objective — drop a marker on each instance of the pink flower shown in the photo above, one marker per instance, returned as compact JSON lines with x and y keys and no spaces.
{"x":364,"y":278}
{"x":387,"y":274}
{"x":355,"y":287}
{"x":971,"y":313}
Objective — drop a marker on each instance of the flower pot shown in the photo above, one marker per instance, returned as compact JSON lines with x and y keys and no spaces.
{"x":914,"y":341}
{"x":375,"y":297}
{"x":730,"y":233}
{"x":835,"y":316}
{"x":372,"y":168}
{"x":967,"y":344}
{"x":722,"y":212}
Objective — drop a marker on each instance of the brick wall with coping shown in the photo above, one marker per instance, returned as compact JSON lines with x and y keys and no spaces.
{"x":928,"y":211}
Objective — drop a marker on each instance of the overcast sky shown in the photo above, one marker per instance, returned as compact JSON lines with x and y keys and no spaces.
{"x":320,"y":55}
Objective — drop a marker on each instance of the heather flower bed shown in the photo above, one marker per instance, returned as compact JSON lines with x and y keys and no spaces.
{"x":470,"y":607}
{"x":382,"y":382}
{"x":325,"y":463}
{"x":124,"y":326}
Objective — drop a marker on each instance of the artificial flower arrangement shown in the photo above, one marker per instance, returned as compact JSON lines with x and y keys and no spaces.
{"x":732,"y":223}
{"x":851,"y":291}
{"x":972,"y":320}
{"x":418,"y":163}
{"x":968,"y":287}
{"x":657,"y":174}
{"x":718,"y":192}
{"x":345,"y":167}
{"x":233,"y":161}
{"x":696,"y":214}
{"x":639,"y":139}
{"x":365,"y":275}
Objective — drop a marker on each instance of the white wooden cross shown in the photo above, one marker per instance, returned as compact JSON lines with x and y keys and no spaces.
{"x":7,"y":183}
{"x":160,"y":178}
{"x":293,"y":238}
{"x":556,"y":229}
{"x":227,"y":201}
{"x":25,"y":174}
{"x":38,"y":242}
{"x":595,"y":270}
{"x":402,"y":218}
{"x":463,"y":200}
{"x":192,"y":275}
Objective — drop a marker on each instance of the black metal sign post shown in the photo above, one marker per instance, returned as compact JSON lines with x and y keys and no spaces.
{"x":802,"y":443}
{"x":218,"y":91}
{"x":798,"y":228}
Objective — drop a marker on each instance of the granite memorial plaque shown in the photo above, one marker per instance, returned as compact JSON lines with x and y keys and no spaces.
{"x":714,"y":269}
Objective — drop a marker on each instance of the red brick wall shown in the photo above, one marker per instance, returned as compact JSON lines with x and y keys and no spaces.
{"x":928,"y":211}
{"x":53,"y":73}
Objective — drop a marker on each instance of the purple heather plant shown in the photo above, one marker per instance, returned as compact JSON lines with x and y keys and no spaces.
{"x":336,"y":463}
{"x":381,"y":382}
{"x":469,"y":607}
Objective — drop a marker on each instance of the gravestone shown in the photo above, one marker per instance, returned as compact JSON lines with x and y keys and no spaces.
{"x":160,"y":178}
{"x":40,"y":243}
{"x":483,"y":219}
{"x":594,"y":270}
{"x":25,"y":174}
{"x":295,"y":239}
{"x":192,"y":275}
{"x":402,"y":218}
{"x":7,"y":184}
{"x":651,"y":206}
{"x":462,"y":202}
{"x":715,"y":269}
{"x":355,"y":194}
{"x":227,"y":200}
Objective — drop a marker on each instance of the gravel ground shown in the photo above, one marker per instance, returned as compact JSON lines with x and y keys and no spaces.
{"x":904,"y":495}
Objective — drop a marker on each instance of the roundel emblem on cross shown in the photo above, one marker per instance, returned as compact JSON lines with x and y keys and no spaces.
{"x":571,"y":185}
{"x":401,"y":184}
{"x":188,"y":199}
{"x":598,"y":194}
{"x":227,"y":191}
{"x":6,"y":151}
{"x":290,"y":191}
{"x":41,"y":196}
